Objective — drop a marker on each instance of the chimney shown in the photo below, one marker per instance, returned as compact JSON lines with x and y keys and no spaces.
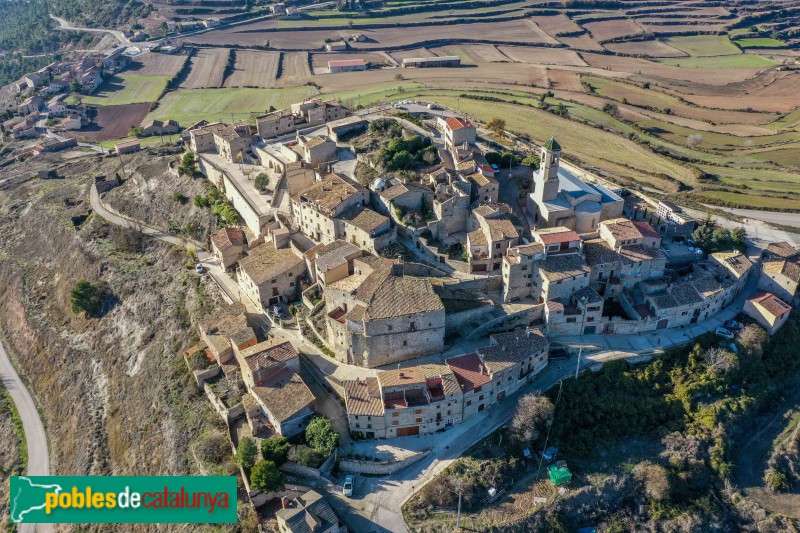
{"x":285,"y":502}
{"x":402,"y":374}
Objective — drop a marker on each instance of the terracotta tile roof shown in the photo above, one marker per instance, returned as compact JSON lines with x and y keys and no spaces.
{"x":769,"y":303}
{"x":599,"y":252}
{"x":321,"y":249}
{"x":266,"y":262}
{"x":449,"y":381}
{"x":559,"y":267}
{"x":328,"y":194}
{"x":509,"y":349}
{"x":455,"y":123}
{"x":787,"y":267}
{"x":362,"y":397}
{"x":469,"y":370}
{"x":735,"y":262}
{"x":477,"y":238}
{"x":400,"y":189}
{"x":364,"y":218}
{"x":480,"y":180}
{"x":224,"y":238}
{"x":556,"y":235}
{"x":555,"y":305}
{"x":636,"y":253}
{"x":646,"y":229}
{"x":403,"y":296}
{"x":284,"y":394}
{"x":501,"y":229}
{"x":779,"y":250}
{"x":269,"y":353}
{"x":622,"y":229}
{"x":227,"y":320}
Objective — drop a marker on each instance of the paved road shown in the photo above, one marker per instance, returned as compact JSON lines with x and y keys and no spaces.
{"x":64,"y":25}
{"x":35,"y":436}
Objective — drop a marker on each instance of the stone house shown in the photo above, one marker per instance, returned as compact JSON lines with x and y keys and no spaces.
{"x":30,"y":105}
{"x":365,"y":228}
{"x":308,"y":513}
{"x":329,"y":263}
{"x":562,"y":275}
{"x":225,"y":330}
{"x":733,"y":265}
{"x":781,"y":277}
{"x":521,"y":272}
{"x":260,"y":361}
{"x":228,"y":245}
{"x":228,"y":140}
{"x":404,"y":196}
{"x":580,"y":314}
{"x":270,"y":276}
{"x":457,"y":132}
{"x":286,"y":402}
{"x":275,"y":123}
{"x":160,"y":127}
{"x":377,"y":316}
{"x":127,"y":147}
{"x":484,"y":189}
{"x":316,"y":150}
{"x":768,"y":310}
{"x":315,"y":208}
{"x":344,"y":127}
{"x":315,"y":112}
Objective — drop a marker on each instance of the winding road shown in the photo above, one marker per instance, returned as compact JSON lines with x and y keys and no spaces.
{"x":35,"y":436}
{"x":64,"y":25}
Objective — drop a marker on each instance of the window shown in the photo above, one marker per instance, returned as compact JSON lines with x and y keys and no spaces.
{"x":394,"y":414}
{"x":480,"y":397}
{"x":572,"y":319}
{"x":358,"y":425}
{"x":412,"y":326}
{"x":418,"y":412}
{"x":418,"y":420}
{"x":469,"y":403}
{"x":405,"y":343}
{"x":389,"y":327}
{"x":395,"y":422}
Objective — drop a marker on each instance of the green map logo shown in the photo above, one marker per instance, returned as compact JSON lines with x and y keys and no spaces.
{"x":122,"y":499}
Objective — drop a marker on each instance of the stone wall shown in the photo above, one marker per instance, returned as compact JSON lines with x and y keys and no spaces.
{"x":509,"y":322}
{"x":384,"y":468}
{"x":227,"y":413}
{"x":455,"y":321}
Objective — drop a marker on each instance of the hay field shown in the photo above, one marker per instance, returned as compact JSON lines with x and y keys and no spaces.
{"x":254,"y":69}
{"x":128,"y":88}
{"x":473,"y":53}
{"x":565,"y":80}
{"x":656,"y":49}
{"x":704,"y":45}
{"x":555,"y":25}
{"x":154,"y":64}
{"x":208,"y":68}
{"x":321,"y":60}
{"x":295,"y":69}
{"x":644,"y":68}
{"x":543,"y":56}
{"x":603,"y":30}
{"x":400,"y":55}
{"x":582,"y":42}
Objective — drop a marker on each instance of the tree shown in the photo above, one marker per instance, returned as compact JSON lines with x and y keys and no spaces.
{"x":246,"y":453}
{"x":401,"y":160}
{"x":532,"y":161}
{"x":179,"y":197}
{"x":429,"y":156}
{"x":611,"y":109}
{"x":266,"y":477}
{"x":303,"y":455}
{"x":165,"y":28}
{"x":497,"y":125}
{"x":738,"y":235}
{"x":399,"y":77}
{"x":226,"y":213}
{"x":86,"y":298}
{"x":321,"y":435}
{"x":76,"y":86}
{"x":720,"y":361}
{"x":753,"y":338}
{"x":694,"y":140}
{"x":561,"y":110}
{"x":777,"y":481}
{"x":654,"y":478}
{"x":275,"y":449}
{"x":188,"y":165}
{"x":262,"y":181}
{"x":534,"y":412}
{"x":136,"y":131}
{"x":704,"y":233}
{"x":720,"y":239}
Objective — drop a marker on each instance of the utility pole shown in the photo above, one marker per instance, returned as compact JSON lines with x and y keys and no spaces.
{"x":578,"y":366}
{"x":458,"y":518}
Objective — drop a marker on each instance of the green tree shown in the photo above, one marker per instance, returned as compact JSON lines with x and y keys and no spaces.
{"x":266,"y":477}
{"x":76,"y":86}
{"x":321,"y":435}
{"x":738,"y":235}
{"x":246,"y":453}
{"x":275,"y":449}
{"x":401,"y":160}
{"x":86,"y":298}
{"x":303,"y":455}
{"x":497,"y":125}
{"x":777,"y":481}
{"x":704,"y":233}
{"x":262,"y":181}
{"x":188,"y":165}
{"x":532,"y":161}
{"x":213,"y":448}
{"x":136,"y":131}
{"x":165,"y":28}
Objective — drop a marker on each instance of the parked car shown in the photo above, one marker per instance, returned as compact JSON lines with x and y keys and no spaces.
{"x":199,"y":268}
{"x":347,"y":488}
{"x":722,"y":332}
{"x":733,"y":325}
{"x":495,"y":168}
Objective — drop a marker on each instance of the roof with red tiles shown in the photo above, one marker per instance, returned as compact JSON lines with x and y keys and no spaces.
{"x":470,"y":371}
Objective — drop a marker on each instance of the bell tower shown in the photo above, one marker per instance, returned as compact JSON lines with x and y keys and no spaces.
{"x":545,"y":180}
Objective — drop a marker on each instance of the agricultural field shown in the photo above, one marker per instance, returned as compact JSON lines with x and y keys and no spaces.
{"x":555,"y":25}
{"x":294,"y":68}
{"x":113,"y":122}
{"x":473,"y":53}
{"x":654,"y":49}
{"x":603,"y":30}
{"x":192,"y":105}
{"x":542,"y":56}
{"x":704,"y":45}
{"x":128,"y":88}
{"x":254,"y":69}
{"x":155,"y":64}
{"x":732,"y":61}
{"x":321,"y":60}
{"x":763,"y":42}
{"x":208,"y":68}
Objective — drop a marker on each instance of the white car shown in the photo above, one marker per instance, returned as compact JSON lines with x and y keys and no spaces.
{"x":199,"y":268}
{"x":722,"y":332}
{"x":347,"y":488}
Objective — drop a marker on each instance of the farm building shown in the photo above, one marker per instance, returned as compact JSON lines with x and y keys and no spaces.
{"x":160,"y":127}
{"x":346,"y":65}
{"x":432,"y":62}
{"x":336,"y":46}
{"x":54,"y":145}
{"x":127,"y":147}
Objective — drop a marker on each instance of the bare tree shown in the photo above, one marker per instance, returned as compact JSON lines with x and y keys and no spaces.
{"x":753,"y":338}
{"x":654,"y":478}
{"x":694,"y":140}
{"x":533,"y":413}
{"x":720,"y":361}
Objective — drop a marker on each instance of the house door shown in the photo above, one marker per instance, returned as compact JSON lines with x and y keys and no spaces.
{"x":407,"y":432}
{"x":589,"y":330}
{"x":662,"y":323}
{"x":501,"y":395}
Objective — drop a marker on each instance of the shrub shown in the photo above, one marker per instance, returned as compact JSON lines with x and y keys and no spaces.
{"x":213,"y":448}
{"x":777,"y":481}
{"x":178,"y":197}
{"x":246,"y":453}
{"x":321,"y":435}
{"x":266,"y":477}
{"x":86,"y":298}
{"x":303,"y":455}
{"x":275,"y":450}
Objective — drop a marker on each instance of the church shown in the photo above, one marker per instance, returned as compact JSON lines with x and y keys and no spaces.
{"x":560,"y":198}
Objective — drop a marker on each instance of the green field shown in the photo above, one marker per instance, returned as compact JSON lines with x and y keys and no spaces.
{"x":704,"y":45}
{"x":738,"y":61}
{"x":761,"y":42}
{"x":746,"y":200}
{"x":144,"y":141}
{"x":189,"y":106}
{"x":128,"y":89}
